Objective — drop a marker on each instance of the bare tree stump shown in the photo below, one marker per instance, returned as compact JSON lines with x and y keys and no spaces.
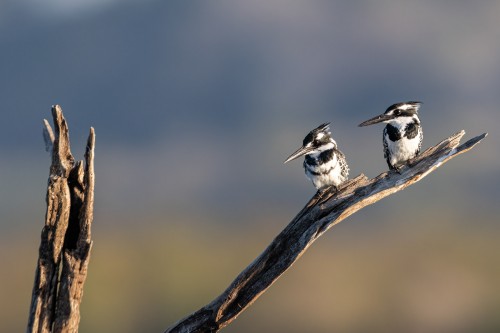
{"x":322,"y":212}
{"x":65,"y":246}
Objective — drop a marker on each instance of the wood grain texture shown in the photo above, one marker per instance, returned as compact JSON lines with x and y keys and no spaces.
{"x":65,"y":244}
{"x":322,"y":212}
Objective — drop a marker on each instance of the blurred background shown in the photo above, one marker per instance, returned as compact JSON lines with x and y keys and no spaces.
{"x":196,"y":104}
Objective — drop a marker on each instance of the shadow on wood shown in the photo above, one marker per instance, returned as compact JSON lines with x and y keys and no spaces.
{"x":321,"y":213}
{"x":64,"y":251}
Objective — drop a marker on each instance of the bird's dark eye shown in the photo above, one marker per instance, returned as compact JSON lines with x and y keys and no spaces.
{"x":397,"y":112}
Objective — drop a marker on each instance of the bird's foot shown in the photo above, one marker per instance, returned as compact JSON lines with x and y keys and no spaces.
{"x":411,"y":163}
{"x":398,"y":168}
{"x":325,"y":193}
{"x":321,"y":192}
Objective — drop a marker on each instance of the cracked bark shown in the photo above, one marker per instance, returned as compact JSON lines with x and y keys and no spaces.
{"x":320,"y":214}
{"x":65,"y":245}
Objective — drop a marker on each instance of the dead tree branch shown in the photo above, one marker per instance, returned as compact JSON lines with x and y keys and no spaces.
{"x":64,"y":251}
{"x":321,"y":213}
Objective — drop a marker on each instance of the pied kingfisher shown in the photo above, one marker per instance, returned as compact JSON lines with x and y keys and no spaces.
{"x":324,"y":163}
{"x":402,"y":135}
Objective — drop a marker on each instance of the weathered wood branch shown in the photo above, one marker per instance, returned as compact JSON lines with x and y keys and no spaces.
{"x":64,"y":251}
{"x":321,"y":213}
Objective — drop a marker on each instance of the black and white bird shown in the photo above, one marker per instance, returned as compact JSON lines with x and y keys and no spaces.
{"x":325,"y":165}
{"x":402,"y":135}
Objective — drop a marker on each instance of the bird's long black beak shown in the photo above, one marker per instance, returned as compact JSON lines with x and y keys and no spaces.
{"x":375,"y":120}
{"x":299,"y":152}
